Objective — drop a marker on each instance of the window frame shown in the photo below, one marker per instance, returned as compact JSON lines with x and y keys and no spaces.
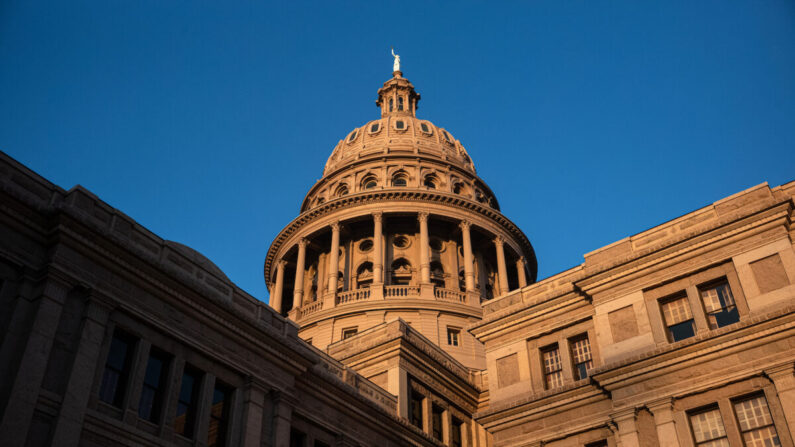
{"x":349,"y":332}
{"x":554,"y":347}
{"x":456,"y":333}
{"x":574,"y":365}
{"x":123,"y":381}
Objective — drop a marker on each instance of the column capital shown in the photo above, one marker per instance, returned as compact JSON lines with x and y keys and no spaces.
{"x":281,"y":263}
{"x":624,"y":415}
{"x":660,"y":405}
{"x":302,"y":242}
{"x":335,"y":225}
{"x":422,"y":216}
{"x":378,"y":216}
{"x":499,"y":240}
{"x":464,"y":224}
{"x":780,"y":371}
{"x":522,"y":260}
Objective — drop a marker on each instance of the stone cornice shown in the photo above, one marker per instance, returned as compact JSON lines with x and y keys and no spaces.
{"x":453,"y":201}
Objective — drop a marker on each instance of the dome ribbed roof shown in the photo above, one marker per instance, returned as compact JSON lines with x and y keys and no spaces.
{"x":398,"y":132}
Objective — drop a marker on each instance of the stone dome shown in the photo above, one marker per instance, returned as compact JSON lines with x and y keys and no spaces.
{"x":398,"y":132}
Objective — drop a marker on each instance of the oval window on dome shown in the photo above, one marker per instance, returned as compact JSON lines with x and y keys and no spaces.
{"x":425,"y":128}
{"x":369,"y":183}
{"x":447,"y":137}
{"x":400,"y":124}
{"x":401,"y":241}
{"x":366,"y":245}
{"x":352,"y":136}
{"x":375,"y":127}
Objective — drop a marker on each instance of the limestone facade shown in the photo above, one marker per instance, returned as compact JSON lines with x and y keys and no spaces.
{"x":404,"y":311}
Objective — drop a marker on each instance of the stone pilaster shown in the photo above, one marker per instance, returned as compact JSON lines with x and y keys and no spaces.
{"x":662,"y":410}
{"x":784,"y":380}
{"x":627,"y":427}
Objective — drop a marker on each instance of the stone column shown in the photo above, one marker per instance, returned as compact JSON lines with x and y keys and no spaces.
{"x":378,"y":255}
{"x":276,"y":298}
{"x":425,"y":262}
{"x":298,"y":289}
{"x":520,"y":271}
{"x":662,"y":410}
{"x":627,"y":427}
{"x":253,"y":411}
{"x":469,"y":271}
{"x":69,"y":425}
{"x":501,"y":269}
{"x":282,"y":417}
{"x":784,"y":381}
{"x":24,"y":393}
{"x":202,"y":421}
{"x":334,"y":259}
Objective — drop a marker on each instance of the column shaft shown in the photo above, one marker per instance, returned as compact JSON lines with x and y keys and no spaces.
{"x":501,"y":269}
{"x":664,"y":420}
{"x":298,"y":289}
{"x":425,"y":262}
{"x":469,"y":271}
{"x":334,"y":258}
{"x":378,"y":255}
{"x":520,"y":271}
{"x":276,"y":298}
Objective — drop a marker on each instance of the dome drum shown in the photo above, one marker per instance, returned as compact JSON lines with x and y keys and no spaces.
{"x":400,"y":226}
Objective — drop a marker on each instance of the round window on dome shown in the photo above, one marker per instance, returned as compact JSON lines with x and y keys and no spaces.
{"x":400,"y":241}
{"x":400,"y":124}
{"x":366,"y":245}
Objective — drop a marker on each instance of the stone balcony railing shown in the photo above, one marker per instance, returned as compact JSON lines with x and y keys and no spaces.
{"x":384,"y":292}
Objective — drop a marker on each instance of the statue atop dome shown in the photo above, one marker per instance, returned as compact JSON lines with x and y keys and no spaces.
{"x":396,"y":65}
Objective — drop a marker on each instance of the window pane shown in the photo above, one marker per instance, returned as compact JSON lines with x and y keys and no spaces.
{"x":416,"y":409}
{"x":682,"y":331}
{"x":720,"y":305}
{"x":186,"y":406}
{"x":219,"y":416}
{"x":552,"y":368}
{"x":436,"y":422}
{"x":676,"y":311}
{"x":753,"y":413}
{"x":762,"y":437}
{"x":707,"y":426}
{"x":117,"y":366}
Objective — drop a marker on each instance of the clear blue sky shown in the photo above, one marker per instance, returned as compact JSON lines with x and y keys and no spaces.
{"x":207,"y":122}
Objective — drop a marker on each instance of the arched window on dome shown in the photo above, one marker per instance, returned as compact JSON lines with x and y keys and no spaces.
{"x":437,"y":274}
{"x":480,"y":197}
{"x":400,"y":179}
{"x":353,"y":135}
{"x":391,"y":102}
{"x":459,"y":188}
{"x":400,"y":272}
{"x":425,"y":128}
{"x":430,"y":181}
{"x":341,"y":190}
{"x":369,"y":182}
{"x":364,"y":275}
{"x":400,"y":103}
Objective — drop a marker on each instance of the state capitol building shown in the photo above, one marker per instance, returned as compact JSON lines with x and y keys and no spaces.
{"x":404,"y":310}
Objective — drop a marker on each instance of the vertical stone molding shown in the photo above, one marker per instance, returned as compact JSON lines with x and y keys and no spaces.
{"x":784,"y":380}
{"x":662,"y":410}
{"x":276,"y":298}
{"x":520,"y":271}
{"x":282,"y":418}
{"x":298,"y":289}
{"x":30,"y":371}
{"x":469,"y":271}
{"x":627,"y":427}
{"x":425,"y":260}
{"x":69,"y":424}
{"x":334,"y":259}
{"x":499,"y":244}
{"x":253,"y":411}
{"x":205,"y":407}
{"x":378,"y":248}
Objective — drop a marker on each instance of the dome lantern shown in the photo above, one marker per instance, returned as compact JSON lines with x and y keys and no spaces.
{"x":397,"y":97}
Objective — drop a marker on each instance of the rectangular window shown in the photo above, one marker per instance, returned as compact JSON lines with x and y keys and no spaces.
{"x":117,"y":368}
{"x":219,"y":415}
{"x":187,"y":403}
{"x":553,"y":367}
{"x":151,"y":402}
{"x":455,"y":433}
{"x":416,"y":409}
{"x":708,"y":429}
{"x":755,"y":421}
{"x":719,"y":304}
{"x":297,"y":438}
{"x":600,"y":443}
{"x":678,"y":318}
{"x":453,"y":335}
{"x":349,"y":332}
{"x":436,"y":422}
{"x":581,"y":356}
